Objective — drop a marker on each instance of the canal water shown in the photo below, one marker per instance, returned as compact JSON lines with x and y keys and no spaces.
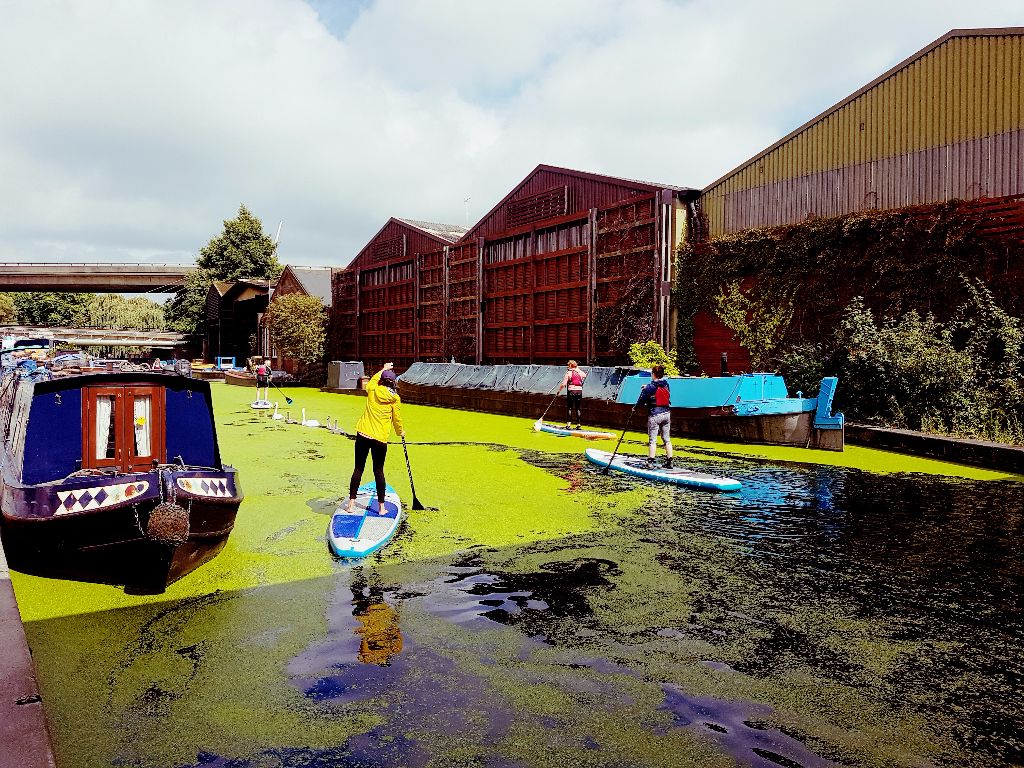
{"x":822,"y":616}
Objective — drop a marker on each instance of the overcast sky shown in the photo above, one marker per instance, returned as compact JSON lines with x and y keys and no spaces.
{"x":129,"y":130}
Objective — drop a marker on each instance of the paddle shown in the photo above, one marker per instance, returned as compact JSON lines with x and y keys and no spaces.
{"x":415,"y":502}
{"x":286,"y":398}
{"x":629,"y":418}
{"x":540,"y":422}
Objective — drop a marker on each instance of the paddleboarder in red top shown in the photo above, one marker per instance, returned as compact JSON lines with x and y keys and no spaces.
{"x":572,"y":383}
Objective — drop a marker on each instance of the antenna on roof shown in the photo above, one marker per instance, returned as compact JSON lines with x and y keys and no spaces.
{"x":465,"y":202}
{"x":278,"y":235}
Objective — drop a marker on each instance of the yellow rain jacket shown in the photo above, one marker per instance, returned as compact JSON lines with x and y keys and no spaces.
{"x":383,"y":408}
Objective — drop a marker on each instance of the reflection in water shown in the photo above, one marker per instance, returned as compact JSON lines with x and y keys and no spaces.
{"x":378,"y":622}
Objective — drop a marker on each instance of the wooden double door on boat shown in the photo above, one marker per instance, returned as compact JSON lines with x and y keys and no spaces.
{"x":123,"y":427}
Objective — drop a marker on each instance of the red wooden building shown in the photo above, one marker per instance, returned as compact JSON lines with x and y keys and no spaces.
{"x":303,"y":281}
{"x":376,"y":298}
{"x":567,"y":264}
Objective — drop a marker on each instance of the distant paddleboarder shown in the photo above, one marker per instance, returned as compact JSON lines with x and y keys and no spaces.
{"x":263,"y":372}
{"x":572,"y":383}
{"x":657,"y":397}
{"x":383,"y":410}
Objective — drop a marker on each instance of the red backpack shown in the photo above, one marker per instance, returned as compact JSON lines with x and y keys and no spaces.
{"x":662,"y":397}
{"x":575,"y":379}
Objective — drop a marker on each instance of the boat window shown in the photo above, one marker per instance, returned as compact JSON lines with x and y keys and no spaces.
{"x":106,"y":427}
{"x":125,"y":427}
{"x":143,"y":413}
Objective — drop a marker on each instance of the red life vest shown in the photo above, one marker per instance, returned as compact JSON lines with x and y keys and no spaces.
{"x":575,"y":380}
{"x":262,"y":370}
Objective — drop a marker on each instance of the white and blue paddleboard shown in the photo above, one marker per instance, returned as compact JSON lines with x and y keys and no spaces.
{"x":637,"y":466}
{"x":364,"y":530}
{"x":587,"y":434}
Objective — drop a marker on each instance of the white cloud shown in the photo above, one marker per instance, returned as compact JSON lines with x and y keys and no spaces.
{"x":131,"y":129}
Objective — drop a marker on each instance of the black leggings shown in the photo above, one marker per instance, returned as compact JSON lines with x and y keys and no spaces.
{"x":364,"y":446}
{"x":574,"y":400}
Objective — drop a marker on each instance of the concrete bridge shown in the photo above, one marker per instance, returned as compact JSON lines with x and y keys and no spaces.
{"x":93,"y":278}
{"x":98,"y":337}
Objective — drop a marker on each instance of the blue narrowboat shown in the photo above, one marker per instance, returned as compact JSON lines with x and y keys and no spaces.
{"x":112,"y":477}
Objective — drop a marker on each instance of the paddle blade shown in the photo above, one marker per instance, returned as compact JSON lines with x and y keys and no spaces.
{"x":416,"y":504}
{"x":289,"y":400}
{"x":537,"y":425}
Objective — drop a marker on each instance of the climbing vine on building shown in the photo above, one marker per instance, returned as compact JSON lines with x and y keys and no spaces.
{"x":900,"y":260}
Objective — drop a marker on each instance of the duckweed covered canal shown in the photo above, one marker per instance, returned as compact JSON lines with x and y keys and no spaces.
{"x":865,"y":610}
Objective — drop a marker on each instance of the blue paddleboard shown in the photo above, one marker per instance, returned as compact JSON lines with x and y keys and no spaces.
{"x":364,"y":530}
{"x":587,"y":434}
{"x":637,"y":466}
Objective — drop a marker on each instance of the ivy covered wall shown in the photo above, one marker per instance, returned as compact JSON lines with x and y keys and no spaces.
{"x":797,"y":280}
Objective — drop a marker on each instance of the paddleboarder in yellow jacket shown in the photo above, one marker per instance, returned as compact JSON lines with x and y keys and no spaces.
{"x":383,"y":410}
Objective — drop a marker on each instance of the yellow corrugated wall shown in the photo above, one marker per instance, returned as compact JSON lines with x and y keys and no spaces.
{"x":968,"y":87}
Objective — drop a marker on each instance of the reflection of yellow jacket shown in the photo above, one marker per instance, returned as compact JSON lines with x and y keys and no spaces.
{"x":383,"y":408}
{"x":381,"y":637}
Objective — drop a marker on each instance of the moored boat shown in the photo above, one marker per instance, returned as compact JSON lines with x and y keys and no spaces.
{"x":747,"y":408}
{"x":242,"y":378}
{"x":111,"y":477}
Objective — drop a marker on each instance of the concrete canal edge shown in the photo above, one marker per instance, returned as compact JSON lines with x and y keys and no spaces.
{"x":24,"y":735}
{"x":978,"y":453}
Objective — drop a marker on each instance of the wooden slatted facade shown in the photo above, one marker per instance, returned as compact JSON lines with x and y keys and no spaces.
{"x":528,"y":283}
{"x":375,"y":300}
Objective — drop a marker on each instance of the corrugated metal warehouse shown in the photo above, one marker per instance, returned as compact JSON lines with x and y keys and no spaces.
{"x":549,"y":273}
{"x":945,"y":124}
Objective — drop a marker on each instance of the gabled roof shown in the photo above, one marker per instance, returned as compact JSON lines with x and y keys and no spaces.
{"x":315,"y":281}
{"x":449,"y":232}
{"x":442,"y":234}
{"x":647,"y":186}
{"x":953,"y":33}
{"x":222,"y":287}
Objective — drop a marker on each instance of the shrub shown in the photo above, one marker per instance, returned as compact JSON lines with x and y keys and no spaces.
{"x":646,"y":354}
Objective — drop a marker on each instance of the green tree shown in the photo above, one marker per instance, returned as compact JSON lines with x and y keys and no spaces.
{"x":645,"y":354}
{"x":61,"y":310}
{"x":8,"y":309}
{"x":242,"y":250}
{"x":184,"y":311}
{"x":111,"y":310}
{"x":297,"y":326}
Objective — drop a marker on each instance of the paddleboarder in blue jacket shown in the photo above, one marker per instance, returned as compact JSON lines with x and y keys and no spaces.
{"x":657,"y":397}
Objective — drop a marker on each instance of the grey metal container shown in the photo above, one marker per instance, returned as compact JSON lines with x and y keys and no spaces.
{"x":344,"y":375}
